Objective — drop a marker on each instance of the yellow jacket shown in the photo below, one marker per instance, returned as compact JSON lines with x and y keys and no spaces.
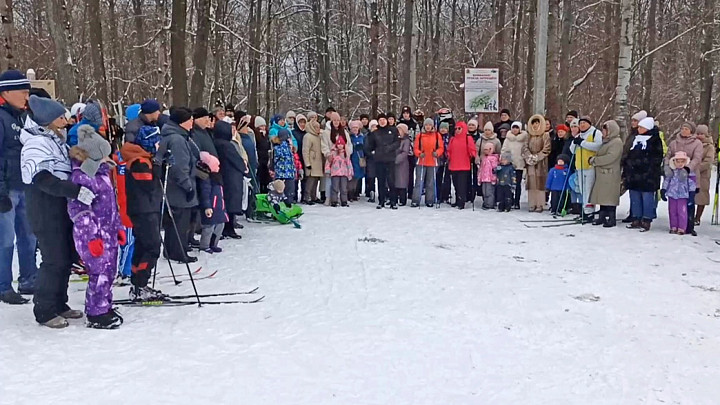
{"x":592,"y":142}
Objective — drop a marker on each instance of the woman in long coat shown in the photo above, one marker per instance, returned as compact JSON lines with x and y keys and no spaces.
{"x":536,"y":153}
{"x":402,"y":165}
{"x":314,"y":167}
{"x":233,"y":169}
{"x":704,"y":171}
{"x":606,"y":191}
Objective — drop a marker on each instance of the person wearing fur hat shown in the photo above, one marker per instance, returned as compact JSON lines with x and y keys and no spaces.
{"x":382,"y":144}
{"x":584,"y":147}
{"x":313,"y":157}
{"x":702,"y":198}
{"x":212,"y":203}
{"x":505,"y":173}
{"x":181,"y":192}
{"x":642,"y":169}
{"x":676,"y":189}
{"x":461,"y":152}
{"x":606,"y":162}
{"x":143,"y":190}
{"x":97,"y":230}
{"x":428,"y":149}
{"x":515,"y":141}
{"x":557,"y":182}
{"x":535,"y":152}
{"x":45,"y":170}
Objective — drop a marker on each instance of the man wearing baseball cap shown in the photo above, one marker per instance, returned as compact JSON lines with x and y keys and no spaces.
{"x":14,"y":91}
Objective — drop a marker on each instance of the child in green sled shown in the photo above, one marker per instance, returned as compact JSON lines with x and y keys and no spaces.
{"x":275,"y":205}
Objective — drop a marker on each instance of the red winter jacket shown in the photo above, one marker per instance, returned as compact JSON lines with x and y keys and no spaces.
{"x":461,"y":149}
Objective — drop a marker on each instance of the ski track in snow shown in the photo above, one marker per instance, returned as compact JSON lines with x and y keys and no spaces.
{"x":414,"y":306}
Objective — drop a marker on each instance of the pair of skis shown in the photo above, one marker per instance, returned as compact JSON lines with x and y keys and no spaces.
{"x":550,"y":223}
{"x":185,"y":300}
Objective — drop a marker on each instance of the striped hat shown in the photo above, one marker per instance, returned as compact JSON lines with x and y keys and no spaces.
{"x":13,"y":80}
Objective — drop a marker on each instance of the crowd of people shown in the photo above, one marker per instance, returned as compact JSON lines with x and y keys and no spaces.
{"x":94,"y":194}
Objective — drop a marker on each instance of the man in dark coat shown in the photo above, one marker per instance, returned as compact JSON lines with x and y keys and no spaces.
{"x":383,"y":145}
{"x":14,"y":226}
{"x":200,"y":131}
{"x":233,"y":170}
{"x":149,"y":115}
{"x":504,"y":119}
{"x":181,"y":192}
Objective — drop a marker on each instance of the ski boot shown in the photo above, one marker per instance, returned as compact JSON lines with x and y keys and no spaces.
{"x":109,"y":320}
{"x":140,"y":294}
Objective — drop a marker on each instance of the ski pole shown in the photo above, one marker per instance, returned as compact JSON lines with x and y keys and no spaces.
{"x":436,"y":203}
{"x":422,"y":184}
{"x":162,"y":240}
{"x":715,"y":216}
{"x":177,"y":233}
{"x":582,"y":192}
{"x":565,"y":198}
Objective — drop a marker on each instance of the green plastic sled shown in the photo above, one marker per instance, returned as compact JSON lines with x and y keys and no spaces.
{"x":285,"y":216}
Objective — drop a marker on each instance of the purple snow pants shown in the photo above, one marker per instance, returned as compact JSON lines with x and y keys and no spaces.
{"x":101,"y":271}
{"x":678,"y":213}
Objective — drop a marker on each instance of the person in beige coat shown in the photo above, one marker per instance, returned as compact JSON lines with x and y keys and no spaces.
{"x":704,"y":171}
{"x":606,"y":162}
{"x":514,"y":143}
{"x":535,"y":152}
{"x":314,"y":167}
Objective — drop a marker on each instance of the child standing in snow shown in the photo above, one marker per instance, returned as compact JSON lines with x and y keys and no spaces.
{"x":676,"y":190}
{"x":505,"y":173}
{"x":486,"y":175}
{"x":341,"y":172}
{"x":212,"y":204}
{"x":97,"y":230}
{"x":556,"y":183}
{"x":284,"y":162}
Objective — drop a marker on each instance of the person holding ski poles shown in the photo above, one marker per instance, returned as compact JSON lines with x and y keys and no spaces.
{"x":585,"y":146}
{"x":429,"y":146}
{"x":606,"y":162}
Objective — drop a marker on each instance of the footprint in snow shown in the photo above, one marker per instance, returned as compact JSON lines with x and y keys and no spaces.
{"x":371,"y":240}
{"x":587,"y":298}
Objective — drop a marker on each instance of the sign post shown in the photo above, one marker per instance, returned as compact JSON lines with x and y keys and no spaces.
{"x":482,"y":90}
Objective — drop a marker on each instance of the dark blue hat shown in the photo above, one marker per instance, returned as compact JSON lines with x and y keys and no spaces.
{"x":276,"y":118}
{"x":223,"y":130}
{"x":148,"y":136}
{"x":13,"y":80}
{"x":149,"y":106}
{"x":45,"y":110}
{"x":283,"y":134}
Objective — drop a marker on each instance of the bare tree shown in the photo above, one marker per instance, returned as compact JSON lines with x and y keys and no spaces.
{"x":61,"y":35}
{"x":96,"y":50}
{"x":177,"y":52}
{"x":6,"y":17}
{"x":624,"y":65}
{"x":374,"y":70}
{"x":200,"y":53}
{"x":408,"y":34}
{"x":706,"y":64}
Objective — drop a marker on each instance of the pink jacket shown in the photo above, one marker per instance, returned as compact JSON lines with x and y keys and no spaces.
{"x":486,"y":174}
{"x":339,"y":164}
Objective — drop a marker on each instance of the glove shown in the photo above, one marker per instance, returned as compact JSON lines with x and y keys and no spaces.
{"x":5,"y":204}
{"x":287,"y":204}
{"x":578,"y":140}
{"x":662,"y":195}
{"x":122,"y":237}
{"x":189,"y":195}
{"x":687,"y":169}
{"x":276,"y":207}
{"x":422,"y":155}
{"x":435,"y":154}
{"x":96,"y":247}
{"x":308,"y":167}
{"x":169,"y":159}
{"x":86,"y":196}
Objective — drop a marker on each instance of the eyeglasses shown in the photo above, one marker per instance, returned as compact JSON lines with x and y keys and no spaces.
{"x":458,"y":129}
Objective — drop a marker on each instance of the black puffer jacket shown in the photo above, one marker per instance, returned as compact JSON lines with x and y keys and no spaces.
{"x":642,"y":166}
{"x":383,"y":144}
{"x":232,"y":168}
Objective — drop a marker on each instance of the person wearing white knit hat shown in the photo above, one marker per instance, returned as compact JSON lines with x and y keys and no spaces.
{"x":642,"y":169}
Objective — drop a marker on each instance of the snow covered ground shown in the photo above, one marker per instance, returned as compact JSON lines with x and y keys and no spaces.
{"x":415,"y":306}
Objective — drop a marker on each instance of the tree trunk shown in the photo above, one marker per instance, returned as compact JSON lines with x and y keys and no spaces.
{"x":624,"y":65}
{"x":412,"y":100}
{"x":552,"y":101}
{"x":177,"y":53}
{"x":500,"y":45}
{"x":217,"y":95}
{"x":647,"y":75}
{"x":565,"y":49}
{"x":706,"y":63}
{"x":408,"y":34}
{"x":7,"y":62}
{"x":139,"y":50}
{"x":326,"y":56}
{"x":115,"y":65}
{"x":269,"y":40}
{"x":374,"y":42}
{"x":254,"y":68}
{"x":517,"y":36}
{"x":96,"y":50}
{"x":200,"y":53}
{"x":529,"y":82}
{"x":61,"y":35}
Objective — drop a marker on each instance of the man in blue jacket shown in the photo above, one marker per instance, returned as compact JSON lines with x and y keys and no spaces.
{"x":14,"y":91}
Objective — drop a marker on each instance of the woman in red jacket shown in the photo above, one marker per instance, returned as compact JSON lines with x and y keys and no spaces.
{"x":461,"y":151}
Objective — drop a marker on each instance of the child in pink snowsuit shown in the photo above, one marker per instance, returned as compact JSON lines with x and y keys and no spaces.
{"x":487,"y":177}
{"x":97,"y":229}
{"x":676,"y":190}
{"x":341,"y":172}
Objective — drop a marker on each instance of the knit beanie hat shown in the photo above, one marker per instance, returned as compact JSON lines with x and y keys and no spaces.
{"x":562,"y":127}
{"x":428,"y":121}
{"x":96,"y":147}
{"x":290,"y":114}
{"x":640,"y":115}
{"x":488,"y":146}
{"x":489,"y":126}
{"x":445,"y":125}
{"x":279,"y":186}
{"x":575,"y":123}
{"x":341,"y":141}
{"x":505,"y":126}
{"x":565,"y":158}
{"x":647,"y":123}
{"x":507,"y":155}
{"x":586,"y":119}
{"x":45,"y":110}
{"x":517,"y":124}
{"x":283,"y":134}
{"x":311,"y":115}
{"x":702,"y":129}
{"x":148,"y":136}
{"x":474,"y":122}
{"x":689,"y":125}
{"x":78,"y":108}
{"x":372,"y":123}
{"x":276,"y":118}
{"x":260,"y":122}
{"x":180,"y":115}
{"x":13,"y":80}
{"x":505,"y":111}
{"x":93,"y":114}
{"x":149,"y":106}
{"x":210,"y":160}
{"x":572,"y":113}
{"x":200,"y":112}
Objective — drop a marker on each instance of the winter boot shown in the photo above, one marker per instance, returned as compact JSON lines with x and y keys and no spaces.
{"x":72,"y":314}
{"x":12,"y":298}
{"x":628,"y":219}
{"x":56,"y":323}
{"x":216,"y":249}
{"x":645,"y":225}
{"x":109,"y":320}
{"x":146,"y":294}
{"x":576,"y":209}
{"x":636,"y":224}
{"x":611,"y":220}
{"x":601,"y":218}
